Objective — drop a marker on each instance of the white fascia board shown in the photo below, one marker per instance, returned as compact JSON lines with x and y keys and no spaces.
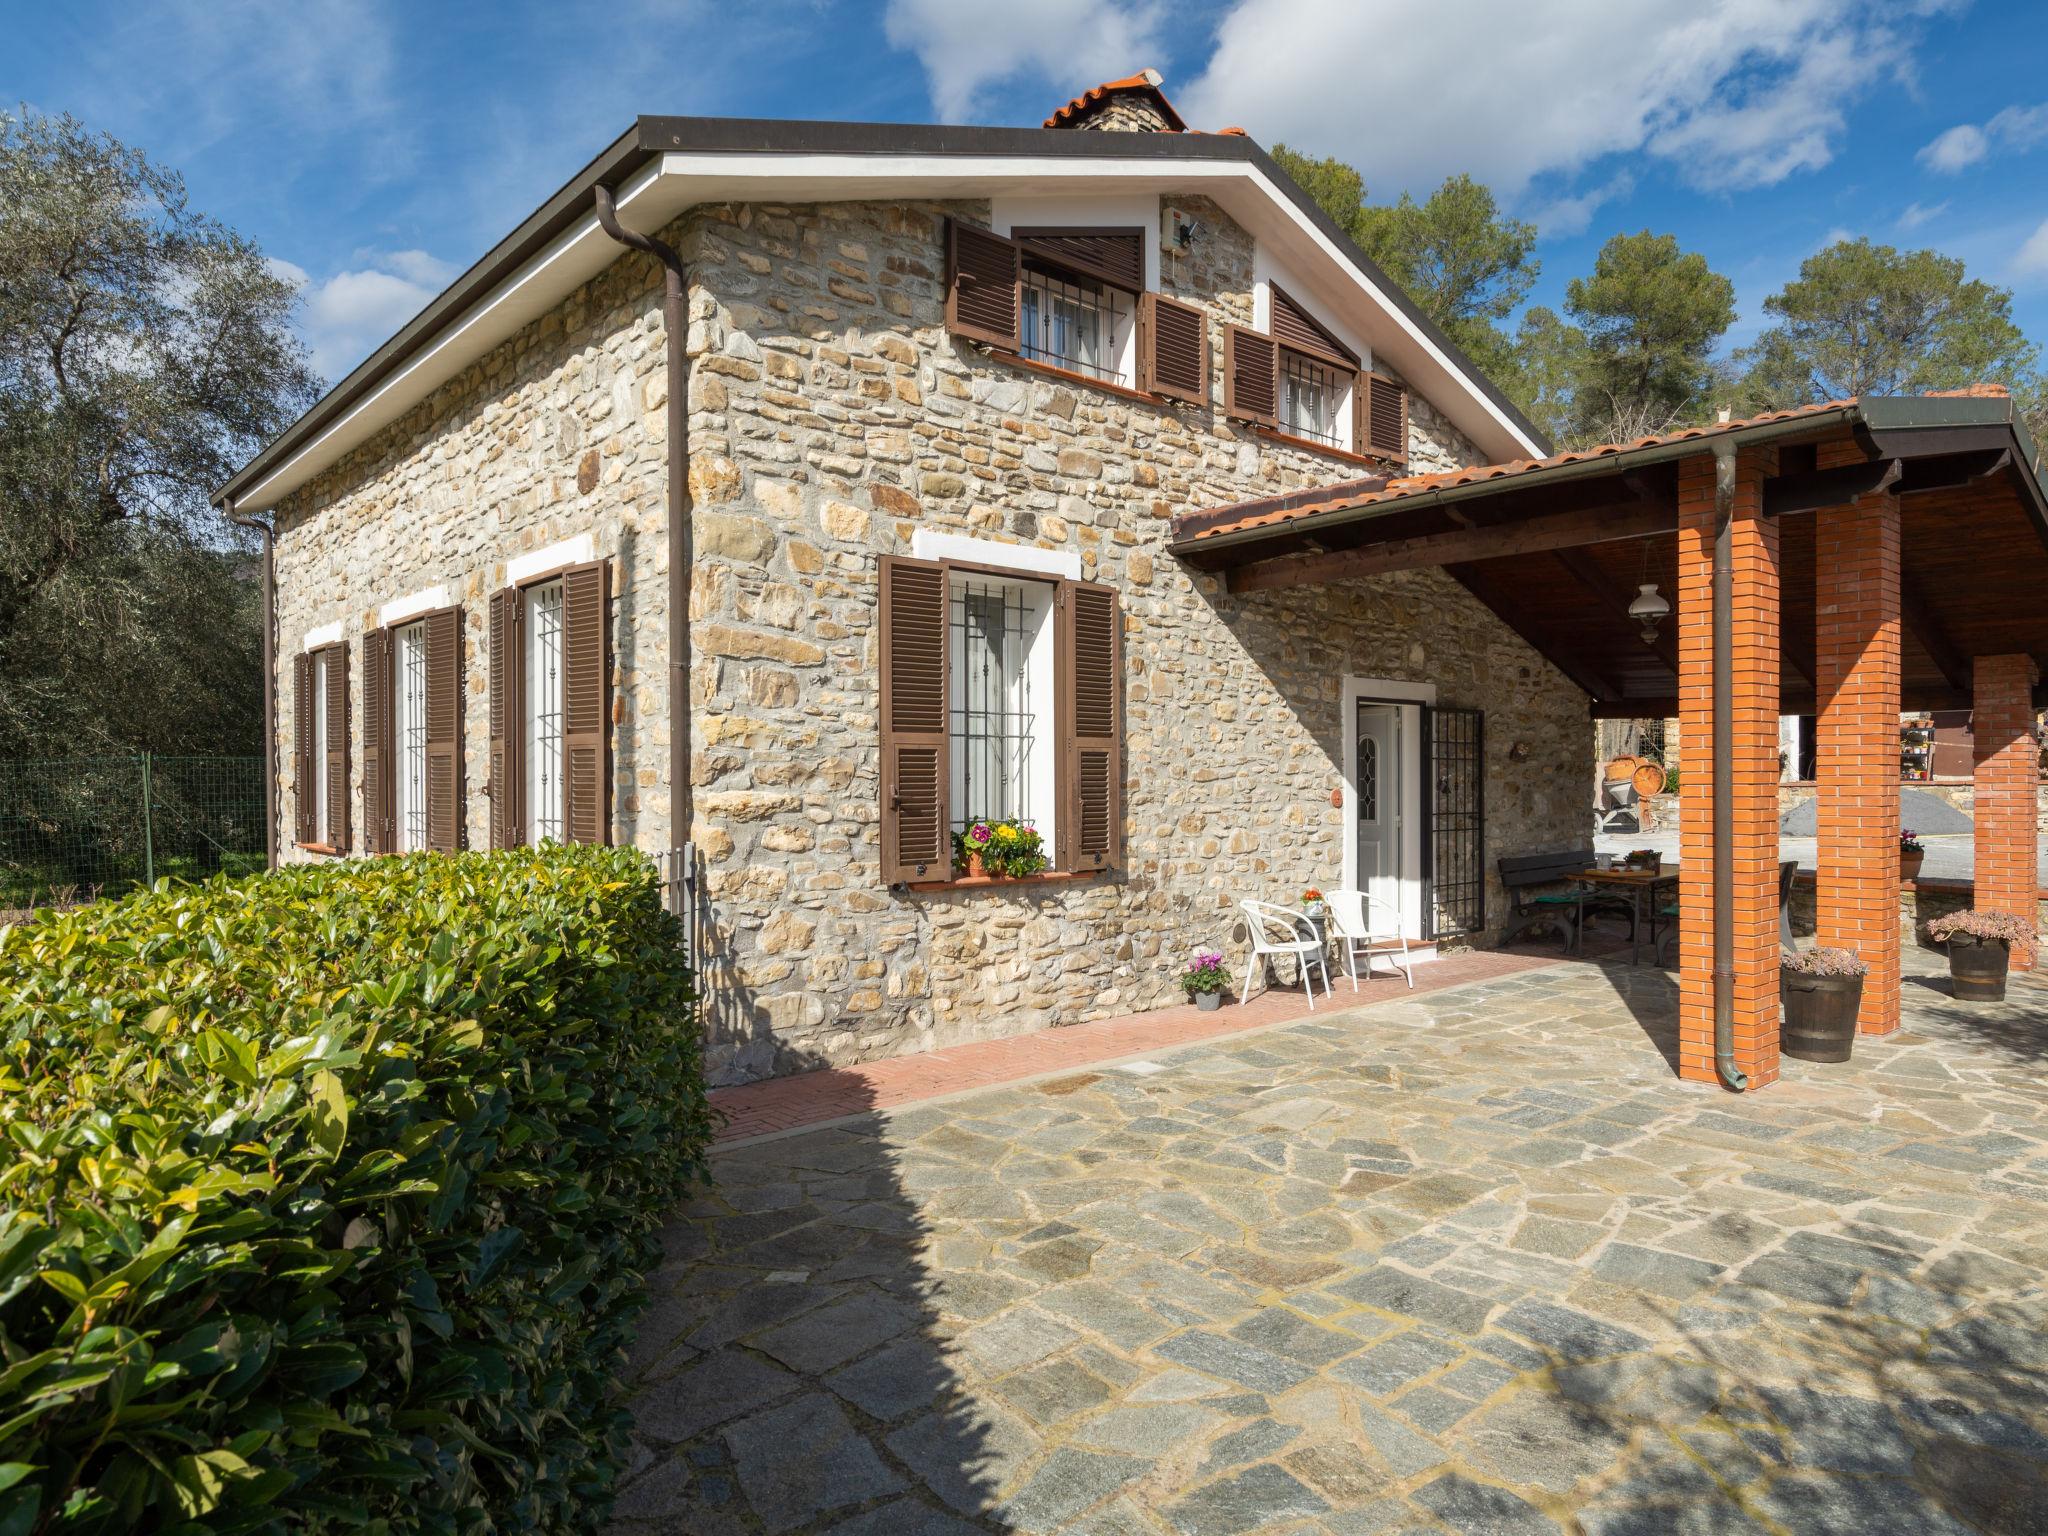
{"x":676,"y":182}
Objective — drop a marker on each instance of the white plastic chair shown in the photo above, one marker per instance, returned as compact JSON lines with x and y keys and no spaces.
{"x":1283,"y":931}
{"x":1367,"y":926}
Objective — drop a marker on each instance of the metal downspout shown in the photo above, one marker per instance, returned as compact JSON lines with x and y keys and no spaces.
{"x":269,"y":536}
{"x":1732,"y":1076}
{"x":675,"y":323}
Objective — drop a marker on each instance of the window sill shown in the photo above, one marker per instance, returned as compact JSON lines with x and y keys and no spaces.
{"x":1084,"y":380}
{"x":1310,"y":445}
{"x":976,"y":882}
{"x":329,"y":849}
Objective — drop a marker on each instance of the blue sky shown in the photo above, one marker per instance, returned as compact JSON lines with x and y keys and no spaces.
{"x":378,"y":146}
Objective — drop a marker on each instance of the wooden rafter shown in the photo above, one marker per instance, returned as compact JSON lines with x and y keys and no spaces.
{"x":1951,"y":663}
{"x":1615,"y":599}
{"x":1475,"y":580}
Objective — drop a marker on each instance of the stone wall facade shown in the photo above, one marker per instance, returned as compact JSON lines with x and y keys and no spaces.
{"x":830,"y":418}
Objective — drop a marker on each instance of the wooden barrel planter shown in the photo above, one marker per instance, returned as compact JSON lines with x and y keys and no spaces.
{"x":1977,"y":968}
{"x":1820,"y":1015}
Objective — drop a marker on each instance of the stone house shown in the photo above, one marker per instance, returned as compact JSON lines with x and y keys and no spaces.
{"x":799,"y":494}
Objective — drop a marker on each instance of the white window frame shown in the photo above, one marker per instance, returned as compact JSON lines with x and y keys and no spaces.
{"x":543,"y":643}
{"x":1035,"y":684}
{"x":1117,"y":354}
{"x":409,"y":735}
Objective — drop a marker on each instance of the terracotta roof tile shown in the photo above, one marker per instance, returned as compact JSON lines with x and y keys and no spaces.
{"x":1271,"y":511}
{"x":1146,"y":80}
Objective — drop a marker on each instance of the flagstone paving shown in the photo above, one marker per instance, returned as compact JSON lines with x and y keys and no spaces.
{"x":1473,"y":1261}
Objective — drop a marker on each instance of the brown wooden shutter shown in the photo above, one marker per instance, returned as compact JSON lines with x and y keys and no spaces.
{"x":304,"y":823}
{"x":586,"y":703}
{"x":508,"y":779}
{"x":1090,"y":641}
{"x":1382,"y":417}
{"x":982,"y":276}
{"x":444,"y":730}
{"x":380,"y":800}
{"x":917,"y":842}
{"x":1116,"y":256}
{"x":1251,"y":376}
{"x":336,"y":748}
{"x":1173,"y":358}
{"x":1294,"y":326}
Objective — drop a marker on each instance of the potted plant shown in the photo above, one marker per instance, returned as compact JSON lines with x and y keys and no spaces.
{"x":1205,"y":980}
{"x":1822,"y":990}
{"x":1911,"y":855}
{"x":970,"y":849}
{"x":1980,"y":948}
{"x":1015,"y":850}
{"x":1317,"y":911}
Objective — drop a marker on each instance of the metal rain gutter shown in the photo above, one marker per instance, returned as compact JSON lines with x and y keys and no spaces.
{"x":1732,"y":1076}
{"x":675,"y":326}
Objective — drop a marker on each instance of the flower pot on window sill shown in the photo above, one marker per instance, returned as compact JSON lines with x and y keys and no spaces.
{"x":1909,"y":863}
{"x":1977,"y":968}
{"x":977,"y":867}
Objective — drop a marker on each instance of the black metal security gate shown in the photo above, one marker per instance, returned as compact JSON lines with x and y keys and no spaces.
{"x":1455,"y":775}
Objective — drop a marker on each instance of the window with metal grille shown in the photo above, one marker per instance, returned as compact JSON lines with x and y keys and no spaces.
{"x":322,"y":831}
{"x":544,"y":718}
{"x":1001,"y":729}
{"x":1312,"y":397}
{"x":409,"y":735}
{"x":1073,"y":322}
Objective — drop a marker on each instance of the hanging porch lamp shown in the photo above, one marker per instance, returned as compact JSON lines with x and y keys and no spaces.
{"x":1649,"y":610}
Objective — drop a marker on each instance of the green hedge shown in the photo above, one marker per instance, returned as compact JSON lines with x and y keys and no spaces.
{"x":325,"y":1195}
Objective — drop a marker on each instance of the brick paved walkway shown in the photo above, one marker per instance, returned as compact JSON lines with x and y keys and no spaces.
{"x":812,"y":1098}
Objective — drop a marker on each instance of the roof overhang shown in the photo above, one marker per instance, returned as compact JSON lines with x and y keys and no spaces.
{"x":665,"y":166}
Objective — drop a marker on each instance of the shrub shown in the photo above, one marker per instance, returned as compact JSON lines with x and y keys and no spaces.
{"x":2017,"y":932}
{"x":1822,"y":960}
{"x":328,"y":1193}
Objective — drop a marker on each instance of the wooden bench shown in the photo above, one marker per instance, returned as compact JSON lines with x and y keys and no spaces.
{"x":1527,"y":878}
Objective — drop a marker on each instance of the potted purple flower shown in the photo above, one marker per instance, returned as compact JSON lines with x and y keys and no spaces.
{"x":1911,"y":854}
{"x":1205,"y":980}
{"x":1822,"y":990}
{"x":1980,"y":950}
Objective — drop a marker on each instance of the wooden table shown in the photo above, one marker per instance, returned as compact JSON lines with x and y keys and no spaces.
{"x":1641,"y":886}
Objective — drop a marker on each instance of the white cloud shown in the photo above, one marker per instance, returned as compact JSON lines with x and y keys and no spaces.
{"x":965,"y":45}
{"x":1571,"y":215}
{"x":1916,"y":214}
{"x":2031,"y":262}
{"x":1841,"y":234}
{"x":2015,"y":128}
{"x":1732,"y":93}
{"x":349,"y":315}
{"x":1959,"y":148}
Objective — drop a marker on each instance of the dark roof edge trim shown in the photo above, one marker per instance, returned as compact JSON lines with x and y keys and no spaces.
{"x":653,"y":136}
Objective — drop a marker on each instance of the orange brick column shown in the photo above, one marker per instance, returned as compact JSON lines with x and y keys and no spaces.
{"x":1856,"y":759}
{"x":2002,"y":720}
{"x":1753,"y":771}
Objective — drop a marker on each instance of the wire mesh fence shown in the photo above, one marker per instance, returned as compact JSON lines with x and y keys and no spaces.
{"x":78,"y":828}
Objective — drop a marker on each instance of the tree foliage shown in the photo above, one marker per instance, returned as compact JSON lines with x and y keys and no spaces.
{"x":1864,"y":319}
{"x":1636,"y":355}
{"x":145,"y":351}
{"x":1466,"y":264}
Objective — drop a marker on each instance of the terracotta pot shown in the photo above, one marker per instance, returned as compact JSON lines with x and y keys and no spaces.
{"x":1977,"y":967}
{"x":976,"y":868}
{"x":1820,"y":1014}
{"x":1909,"y":863}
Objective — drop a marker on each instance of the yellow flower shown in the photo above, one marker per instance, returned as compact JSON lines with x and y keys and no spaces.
{"x":1006,"y":833}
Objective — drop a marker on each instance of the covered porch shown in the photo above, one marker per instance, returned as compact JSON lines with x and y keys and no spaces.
{"x":1844,"y":561}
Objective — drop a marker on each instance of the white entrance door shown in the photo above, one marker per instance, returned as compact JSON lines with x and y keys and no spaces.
{"x":1381,"y":795}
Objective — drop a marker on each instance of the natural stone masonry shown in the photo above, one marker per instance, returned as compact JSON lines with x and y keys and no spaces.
{"x":830,"y":418}
{"x":1476,"y":1261}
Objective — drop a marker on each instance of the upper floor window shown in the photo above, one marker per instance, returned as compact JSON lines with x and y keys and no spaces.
{"x":1298,"y":379}
{"x":1075,"y":300}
